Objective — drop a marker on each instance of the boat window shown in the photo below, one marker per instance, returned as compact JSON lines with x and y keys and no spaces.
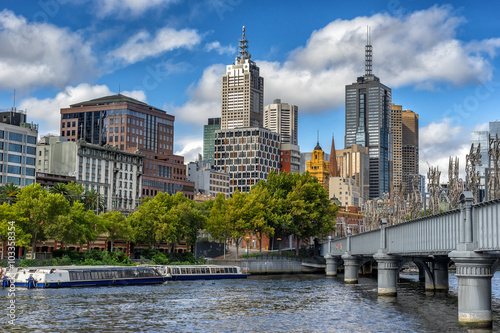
{"x":87,"y":275}
{"x":183,"y":271}
{"x":94,"y":275}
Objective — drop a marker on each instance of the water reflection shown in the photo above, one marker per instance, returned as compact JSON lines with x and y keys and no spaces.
{"x":296,"y":303}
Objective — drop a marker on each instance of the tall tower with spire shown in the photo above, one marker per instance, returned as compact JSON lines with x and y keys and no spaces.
{"x":242,"y":91}
{"x":368,"y":123}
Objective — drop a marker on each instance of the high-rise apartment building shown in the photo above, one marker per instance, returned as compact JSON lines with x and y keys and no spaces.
{"x":282,"y":118}
{"x":368,"y":124}
{"x":17,"y":148}
{"x":131,"y":125}
{"x":242,"y":92}
{"x":410,"y":146}
{"x":397,"y":145}
{"x":209,"y":139}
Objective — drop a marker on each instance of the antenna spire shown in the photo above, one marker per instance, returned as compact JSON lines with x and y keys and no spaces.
{"x":368,"y":54}
{"x":243,"y":48}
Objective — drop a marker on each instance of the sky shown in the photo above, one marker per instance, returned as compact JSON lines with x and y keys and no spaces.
{"x":439,"y":58}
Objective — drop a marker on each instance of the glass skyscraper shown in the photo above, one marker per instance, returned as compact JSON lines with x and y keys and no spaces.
{"x":209,"y":139}
{"x":368,"y":124}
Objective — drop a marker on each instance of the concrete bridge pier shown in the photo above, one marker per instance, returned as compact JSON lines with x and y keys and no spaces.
{"x":388,"y":273}
{"x":474,"y":273}
{"x":331,"y":265}
{"x":351,"y":267}
{"x":437,"y":279}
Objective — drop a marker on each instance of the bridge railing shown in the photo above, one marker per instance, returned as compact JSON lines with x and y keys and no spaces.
{"x":366,"y":242}
{"x":486,"y":226}
{"x":431,"y":234}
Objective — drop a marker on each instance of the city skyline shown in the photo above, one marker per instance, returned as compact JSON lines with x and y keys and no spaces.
{"x":64,"y":52}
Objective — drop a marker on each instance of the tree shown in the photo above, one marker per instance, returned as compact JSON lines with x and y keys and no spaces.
{"x":9,"y":223}
{"x":8,"y":192}
{"x":38,"y":209}
{"x":92,"y":200}
{"x":60,"y":188}
{"x":117,"y":227}
{"x":258,"y":206}
{"x":217,"y":225}
{"x":74,"y":227}
{"x":237,"y":218}
{"x":192,"y":220}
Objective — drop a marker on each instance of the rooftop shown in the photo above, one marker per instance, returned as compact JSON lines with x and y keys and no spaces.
{"x":113,"y":99}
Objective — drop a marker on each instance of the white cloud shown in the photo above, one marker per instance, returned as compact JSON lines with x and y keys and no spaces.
{"x":192,"y":147}
{"x":46,"y":112}
{"x":127,"y":8}
{"x":217,"y":47}
{"x":41,"y":54}
{"x":439,"y":141}
{"x":205,"y":100}
{"x":142,"y":45}
{"x":419,"y":50}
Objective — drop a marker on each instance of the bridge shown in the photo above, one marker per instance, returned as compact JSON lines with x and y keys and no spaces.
{"x":469,"y":237}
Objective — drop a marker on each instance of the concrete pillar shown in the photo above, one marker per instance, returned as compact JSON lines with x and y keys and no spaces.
{"x":474,"y":273}
{"x":351,"y":267}
{"x":388,"y":273}
{"x":331,"y":265}
{"x":437,"y":279}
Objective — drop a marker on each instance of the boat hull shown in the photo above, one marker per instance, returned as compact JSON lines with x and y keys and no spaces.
{"x":208,"y":277}
{"x":157,"y":280}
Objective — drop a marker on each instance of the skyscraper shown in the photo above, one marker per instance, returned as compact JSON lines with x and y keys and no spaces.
{"x":410,"y":146}
{"x":282,"y":118}
{"x":243,"y":148}
{"x":131,"y":125}
{"x":368,"y":123}
{"x":242,"y":92}
{"x":397,"y":144}
{"x":209,"y":139}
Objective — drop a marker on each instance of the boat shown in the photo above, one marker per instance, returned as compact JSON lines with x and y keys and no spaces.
{"x":82,"y":276}
{"x":200,"y":272}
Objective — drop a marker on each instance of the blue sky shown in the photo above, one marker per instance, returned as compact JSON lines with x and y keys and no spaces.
{"x":440,"y":59}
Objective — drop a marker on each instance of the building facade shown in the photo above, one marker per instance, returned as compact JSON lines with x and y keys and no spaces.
{"x":209,"y":139}
{"x":208,"y":181}
{"x":115,"y":174}
{"x":318,"y":166}
{"x":18,"y":141}
{"x":282,"y":118}
{"x":345,"y":190}
{"x":290,"y":158}
{"x":397,"y":145}
{"x":247,"y":154}
{"x":131,"y":125}
{"x":368,"y":124}
{"x":354,"y":163}
{"x":242,"y":92}
{"x":410,"y":146}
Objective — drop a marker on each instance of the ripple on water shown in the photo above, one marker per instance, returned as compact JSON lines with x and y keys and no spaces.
{"x":285,"y":303}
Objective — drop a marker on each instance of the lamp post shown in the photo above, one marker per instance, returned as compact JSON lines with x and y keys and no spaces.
{"x":279,"y":246}
{"x":248,"y":243}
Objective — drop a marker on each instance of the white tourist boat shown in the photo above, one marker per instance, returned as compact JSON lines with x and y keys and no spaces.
{"x":200,"y":272}
{"x":81,"y":276}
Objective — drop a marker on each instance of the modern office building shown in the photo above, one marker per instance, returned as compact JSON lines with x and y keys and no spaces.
{"x":368,"y":124}
{"x":209,"y":139}
{"x":290,"y":158}
{"x":206,"y":180}
{"x":410,"y":147}
{"x":131,"y":125}
{"x":397,"y":145}
{"x":242,"y":92}
{"x":318,"y":166}
{"x":282,"y":118}
{"x":247,"y":154}
{"x":17,"y":148}
{"x":354,"y":163}
{"x":113,"y":173}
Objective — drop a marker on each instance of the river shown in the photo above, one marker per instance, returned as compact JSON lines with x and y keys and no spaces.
{"x":279,"y":303}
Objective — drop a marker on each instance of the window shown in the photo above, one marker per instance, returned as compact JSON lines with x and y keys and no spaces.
{"x":15,"y":148}
{"x":31,"y":150}
{"x":15,"y":137}
{"x":30,"y":172}
{"x":14,"y":169}
{"x":111,"y":129}
{"x":15,"y":180}
{"x":31,"y":139}
{"x":14,"y":158}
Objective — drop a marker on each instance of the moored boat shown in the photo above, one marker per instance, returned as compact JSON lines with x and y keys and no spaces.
{"x":201,"y":272}
{"x":82,"y":276}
